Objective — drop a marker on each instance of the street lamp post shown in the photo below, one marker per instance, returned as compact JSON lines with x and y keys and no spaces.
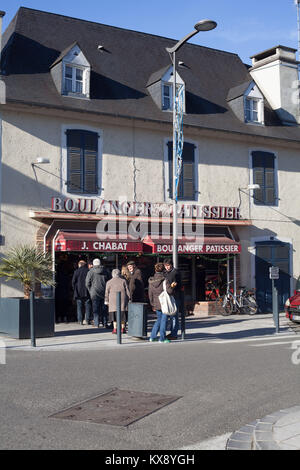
{"x":203,"y":25}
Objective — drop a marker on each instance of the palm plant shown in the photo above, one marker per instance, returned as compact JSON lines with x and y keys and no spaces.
{"x":27,"y":265}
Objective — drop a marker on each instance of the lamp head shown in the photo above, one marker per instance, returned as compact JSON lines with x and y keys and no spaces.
{"x":205,"y":25}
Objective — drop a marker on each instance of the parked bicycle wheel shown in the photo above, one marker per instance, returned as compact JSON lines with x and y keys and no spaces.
{"x":227,"y":306}
{"x":249,"y":306}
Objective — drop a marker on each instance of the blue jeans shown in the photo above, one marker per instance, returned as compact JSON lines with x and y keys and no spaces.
{"x":160,"y":326}
{"x":98,"y":311}
{"x":85,"y":305}
{"x":174,"y":319}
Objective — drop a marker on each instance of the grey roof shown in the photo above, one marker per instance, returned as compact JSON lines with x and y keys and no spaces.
{"x":156,"y":76}
{"x":238,"y":91}
{"x":121,"y":71}
{"x":64,"y":53}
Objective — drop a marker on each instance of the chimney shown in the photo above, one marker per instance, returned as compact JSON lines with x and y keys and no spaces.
{"x":275,"y":71}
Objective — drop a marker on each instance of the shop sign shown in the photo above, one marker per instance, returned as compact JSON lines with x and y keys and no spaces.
{"x":190,"y":248}
{"x":100,"y":246}
{"x":146,"y":209}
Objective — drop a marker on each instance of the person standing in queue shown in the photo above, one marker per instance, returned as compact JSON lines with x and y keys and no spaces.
{"x":156,"y":287}
{"x":174,"y":277}
{"x":96,"y":283}
{"x":81,"y":294}
{"x":113,"y":286}
{"x":136,"y":284}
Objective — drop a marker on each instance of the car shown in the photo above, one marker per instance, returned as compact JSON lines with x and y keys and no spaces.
{"x":292,"y":307}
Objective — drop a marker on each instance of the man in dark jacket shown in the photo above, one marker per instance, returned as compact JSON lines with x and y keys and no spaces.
{"x":96,"y":283}
{"x":136,"y":284}
{"x":174,"y":277}
{"x":81,"y":294}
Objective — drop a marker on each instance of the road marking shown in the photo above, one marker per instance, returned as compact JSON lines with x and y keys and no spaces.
{"x":272,"y":344}
{"x":214,"y":443}
{"x":291,"y":336}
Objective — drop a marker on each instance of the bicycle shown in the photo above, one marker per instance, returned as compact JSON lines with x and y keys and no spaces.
{"x":244,"y":302}
{"x":223,"y":303}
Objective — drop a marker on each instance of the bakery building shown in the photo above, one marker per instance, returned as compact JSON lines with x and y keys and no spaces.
{"x":86,"y":152}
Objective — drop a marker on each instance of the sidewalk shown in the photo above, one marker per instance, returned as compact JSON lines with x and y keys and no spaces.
{"x":71,"y":336}
{"x":278,"y":431}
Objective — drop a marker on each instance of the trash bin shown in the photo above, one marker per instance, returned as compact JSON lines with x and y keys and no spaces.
{"x":137,"y":320}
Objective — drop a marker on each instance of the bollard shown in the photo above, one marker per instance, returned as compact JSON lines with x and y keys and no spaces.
{"x":119,"y":332}
{"x":32,"y":322}
{"x":275,"y":306}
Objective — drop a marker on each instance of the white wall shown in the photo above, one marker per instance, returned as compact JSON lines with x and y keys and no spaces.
{"x":133,"y":167}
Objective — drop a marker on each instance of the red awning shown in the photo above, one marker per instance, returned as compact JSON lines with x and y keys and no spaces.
{"x":205,"y":245}
{"x":85,"y":241}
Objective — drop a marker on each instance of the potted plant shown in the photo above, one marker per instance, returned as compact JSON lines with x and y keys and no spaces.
{"x":30,"y":267}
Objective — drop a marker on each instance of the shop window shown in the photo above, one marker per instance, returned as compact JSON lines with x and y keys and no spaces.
{"x":187,"y":181}
{"x":82,"y":162}
{"x":264,"y":174}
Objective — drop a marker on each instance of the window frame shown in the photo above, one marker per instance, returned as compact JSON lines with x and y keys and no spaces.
{"x":169,"y":86}
{"x":167,"y":167}
{"x":64,"y":161}
{"x":251,"y":100}
{"x":74,"y":68}
{"x":167,"y":80}
{"x":276,"y":178}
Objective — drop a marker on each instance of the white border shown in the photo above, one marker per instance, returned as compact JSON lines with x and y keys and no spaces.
{"x":168,"y":197}
{"x":64,"y":159}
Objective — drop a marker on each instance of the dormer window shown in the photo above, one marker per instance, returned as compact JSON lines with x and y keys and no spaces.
{"x":167,"y":84}
{"x":254,"y":105}
{"x":160,"y":87}
{"x":71,"y":73}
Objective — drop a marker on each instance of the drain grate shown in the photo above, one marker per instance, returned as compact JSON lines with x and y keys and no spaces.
{"x":117,"y":407}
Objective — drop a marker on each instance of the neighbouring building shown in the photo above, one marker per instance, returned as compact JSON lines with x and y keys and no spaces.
{"x":86,"y":154}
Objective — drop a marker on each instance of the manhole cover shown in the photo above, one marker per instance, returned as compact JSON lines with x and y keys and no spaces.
{"x":117,"y":407}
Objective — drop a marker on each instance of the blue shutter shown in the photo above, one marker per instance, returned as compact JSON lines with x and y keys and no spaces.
{"x":263,"y":164}
{"x":186,"y":189}
{"x":82,"y":148}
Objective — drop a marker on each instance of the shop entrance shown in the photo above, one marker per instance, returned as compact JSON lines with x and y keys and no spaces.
{"x":67,"y":262}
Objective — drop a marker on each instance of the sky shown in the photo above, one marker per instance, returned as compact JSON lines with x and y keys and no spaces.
{"x":244,"y":27}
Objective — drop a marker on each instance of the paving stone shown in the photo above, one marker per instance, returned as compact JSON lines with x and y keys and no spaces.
{"x":291,"y":418}
{"x":267,"y":445}
{"x":293,"y":441}
{"x":239,"y":445}
{"x":287,"y":432}
{"x":263,"y":436}
{"x":240,"y":436}
{"x":248,"y":429}
{"x":269,"y":419}
{"x":264,"y":427}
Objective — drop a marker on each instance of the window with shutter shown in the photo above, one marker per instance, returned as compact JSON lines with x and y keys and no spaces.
{"x":82,"y":148}
{"x":187,"y":184}
{"x":263,"y":164}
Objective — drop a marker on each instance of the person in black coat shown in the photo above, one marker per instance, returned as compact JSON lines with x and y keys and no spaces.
{"x":135,"y":284}
{"x":81,"y":294}
{"x":174,"y":277}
